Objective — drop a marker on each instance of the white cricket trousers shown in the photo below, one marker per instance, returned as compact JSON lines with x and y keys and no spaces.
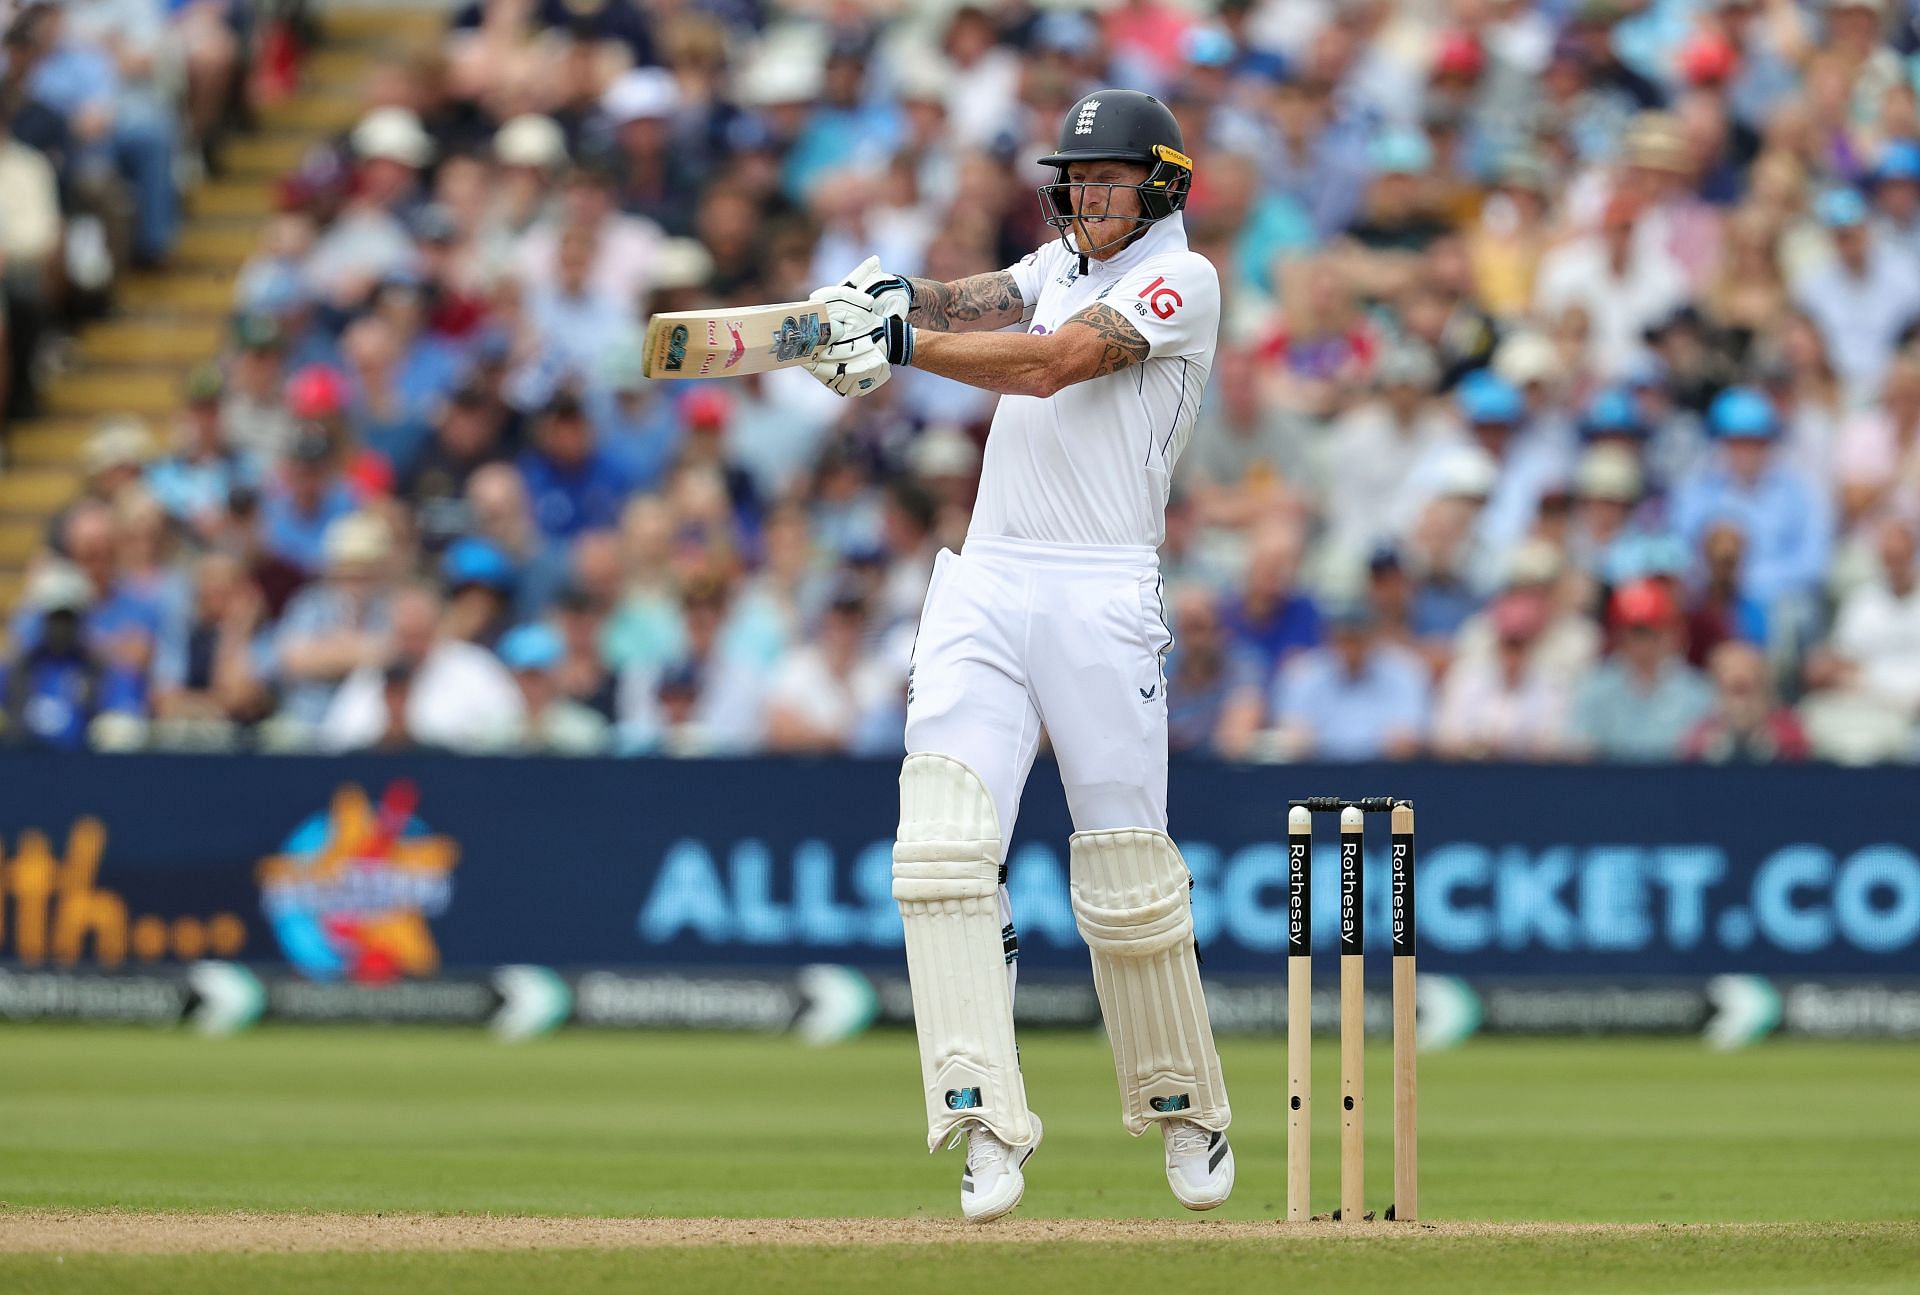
{"x":1017,"y":635}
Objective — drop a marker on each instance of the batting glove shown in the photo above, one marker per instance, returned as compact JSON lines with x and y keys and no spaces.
{"x":892,"y":295}
{"x":857,"y":366}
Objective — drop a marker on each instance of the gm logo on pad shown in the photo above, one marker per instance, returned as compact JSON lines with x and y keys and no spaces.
{"x":964,"y":1099}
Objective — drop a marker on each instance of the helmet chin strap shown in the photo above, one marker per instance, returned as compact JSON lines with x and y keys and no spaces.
{"x":1140,"y":227}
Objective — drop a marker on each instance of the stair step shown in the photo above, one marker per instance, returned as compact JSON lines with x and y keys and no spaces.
{"x":140,"y":341}
{"x":266,"y":157}
{"x":336,"y":68}
{"x":181,"y":294}
{"x":378,"y":25}
{"x":230,"y":198}
{"x":133,"y":391}
{"x":19,"y":540}
{"x":222,"y":245}
{"x":49,"y":442}
{"x":317,"y":114}
{"x":41,"y":490}
{"x":12,"y":585}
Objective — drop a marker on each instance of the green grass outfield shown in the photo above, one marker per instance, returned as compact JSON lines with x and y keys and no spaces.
{"x":1818,"y":1136}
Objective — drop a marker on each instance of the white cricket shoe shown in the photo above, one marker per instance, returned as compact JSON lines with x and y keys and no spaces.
{"x":992,"y":1183}
{"x":1199,"y":1164}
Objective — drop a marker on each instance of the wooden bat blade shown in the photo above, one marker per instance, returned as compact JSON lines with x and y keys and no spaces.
{"x":730,"y":343}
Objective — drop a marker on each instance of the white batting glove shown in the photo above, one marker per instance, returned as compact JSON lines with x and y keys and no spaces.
{"x":891,"y":294}
{"x":854,"y":367}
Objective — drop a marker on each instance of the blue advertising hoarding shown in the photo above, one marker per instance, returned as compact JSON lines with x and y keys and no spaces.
{"x":385,"y":869}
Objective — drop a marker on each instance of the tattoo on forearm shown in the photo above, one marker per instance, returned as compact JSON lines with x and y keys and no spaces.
{"x":1122,"y":340}
{"x":987,"y":300}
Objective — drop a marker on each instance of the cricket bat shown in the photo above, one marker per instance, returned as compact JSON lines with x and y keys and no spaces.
{"x":729,"y":343}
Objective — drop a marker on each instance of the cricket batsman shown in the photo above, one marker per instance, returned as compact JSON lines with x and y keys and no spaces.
{"x":1052,"y":616}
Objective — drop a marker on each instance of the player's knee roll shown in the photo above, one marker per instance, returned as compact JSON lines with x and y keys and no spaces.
{"x":1130,"y":892}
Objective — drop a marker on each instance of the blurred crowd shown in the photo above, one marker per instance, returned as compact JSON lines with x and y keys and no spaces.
{"x":1567,"y":403}
{"x":110,"y":110}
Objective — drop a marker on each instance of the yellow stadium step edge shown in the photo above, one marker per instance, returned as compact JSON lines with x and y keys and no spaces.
{"x":149,"y":341}
{"x":41,"y":490}
{"x":84,"y":394}
{"x":20,"y":540}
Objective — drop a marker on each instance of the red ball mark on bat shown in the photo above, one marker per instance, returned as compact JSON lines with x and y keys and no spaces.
{"x":1162,"y":300}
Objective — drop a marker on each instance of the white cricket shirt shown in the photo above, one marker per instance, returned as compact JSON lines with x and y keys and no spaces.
{"x":1091,"y":463}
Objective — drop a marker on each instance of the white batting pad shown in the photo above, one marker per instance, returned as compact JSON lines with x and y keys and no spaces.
{"x":1131,"y":902}
{"x":946,"y":878}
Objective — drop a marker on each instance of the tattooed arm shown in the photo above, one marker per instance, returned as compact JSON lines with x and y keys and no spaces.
{"x":1095,"y":342}
{"x":969,"y":305}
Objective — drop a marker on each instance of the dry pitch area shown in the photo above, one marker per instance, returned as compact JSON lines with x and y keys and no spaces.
{"x":140,"y":1233}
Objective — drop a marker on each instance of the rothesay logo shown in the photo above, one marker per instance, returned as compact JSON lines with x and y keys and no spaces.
{"x":1084,"y":126}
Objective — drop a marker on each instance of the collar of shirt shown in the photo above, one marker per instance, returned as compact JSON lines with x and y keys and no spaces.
{"x":1161,"y":236}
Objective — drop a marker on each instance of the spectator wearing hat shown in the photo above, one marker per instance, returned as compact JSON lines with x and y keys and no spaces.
{"x":338,"y":625}
{"x":709,"y":700}
{"x":1747,"y":725}
{"x":1397,"y":214}
{"x":213,"y":661}
{"x":529,"y":152}
{"x":1506,"y":704}
{"x":53,"y":682}
{"x":556,"y":724}
{"x":114,"y":458}
{"x":425,"y":688}
{"x":1896,"y":196}
{"x":1788,"y":523}
{"x":1356,"y":698}
{"x":194,"y":483}
{"x":1525,"y":465}
{"x":831,"y":695}
{"x":1442,"y":548}
{"x":1609,"y":489}
{"x":1862,"y":300}
{"x":428,"y":364}
{"x":1643,"y":700}
{"x":304,"y":499}
{"x":370,"y":237}
{"x":1620,"y":283}
{"x":479,"y":580}
{"x":254,"y":419}
{"x":573,"y":485}
{"x":466,"y":438}
{"x":1511,"y":234}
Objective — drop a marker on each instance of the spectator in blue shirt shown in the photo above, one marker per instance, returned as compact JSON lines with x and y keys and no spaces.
{"x":1788,"y":523}
{"x":573,"y":484}
{"x":308,"y":497}
{"x":1213,"y":687}
{"x":53,"y":686}
{"x":1357,"y":698}
{"x":1270,"y":617}
{"x":1862,"y":300}
{"x":194,"y":483}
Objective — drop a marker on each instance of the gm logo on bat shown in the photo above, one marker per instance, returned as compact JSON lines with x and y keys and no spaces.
{"x":796,"y":336}
{"x":677,"y":348}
